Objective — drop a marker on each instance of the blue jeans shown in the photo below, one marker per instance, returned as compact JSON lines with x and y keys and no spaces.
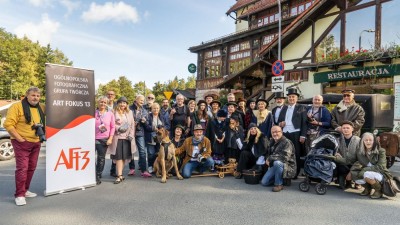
{"x":141,"y":147}
{"x":201,"y":167}
{"x":274,"y":175}
{"x":152,"y":151}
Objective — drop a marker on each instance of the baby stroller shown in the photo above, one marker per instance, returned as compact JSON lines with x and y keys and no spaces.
{"x":316,"y":166}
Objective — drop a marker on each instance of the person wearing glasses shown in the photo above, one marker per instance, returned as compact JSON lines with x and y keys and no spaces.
{"x":348,"y":110}
{"x":149,"y":102}
{"x":111,"y":101}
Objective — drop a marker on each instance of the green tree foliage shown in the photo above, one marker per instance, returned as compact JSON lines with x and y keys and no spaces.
{"x":121,"y":87}
{"x":22,"y":64}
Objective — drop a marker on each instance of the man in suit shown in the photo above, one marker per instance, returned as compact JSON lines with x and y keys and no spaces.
{"x":293,"y":120}
{"x":280,"y":102}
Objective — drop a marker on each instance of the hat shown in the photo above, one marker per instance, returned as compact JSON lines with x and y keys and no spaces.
{"x":240,"y":100}
{"x":262,"y":100}
{"x":216,"y":101}
{"x":249,"y":101}
{"x":201,"y":102}
{"x":208,"y":95}
{"x":122,"y":99}
{"x":222,"y":113}
{"x":279,"y":95}
{"x":292,"y":91}
{"x":234,"y":117}
{"x":348,"y":90}
{"x":347,"y":122}
{"x":179,"y":126}
{"x":251,"y":125}
{"x":231,"y":103}
{"x":198,"y":127}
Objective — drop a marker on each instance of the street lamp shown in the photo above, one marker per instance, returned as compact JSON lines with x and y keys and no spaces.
{"x":359,"y":39}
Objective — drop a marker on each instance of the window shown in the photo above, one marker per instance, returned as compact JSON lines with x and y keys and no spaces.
{"x":293,"y":11}
{"x":268,"y":39}
{"x":235,"y":48}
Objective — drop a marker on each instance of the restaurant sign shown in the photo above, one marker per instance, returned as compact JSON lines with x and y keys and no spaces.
{"x":357,"y":73}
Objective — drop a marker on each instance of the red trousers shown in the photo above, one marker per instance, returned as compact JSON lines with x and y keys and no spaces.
{"x":26,"y":157}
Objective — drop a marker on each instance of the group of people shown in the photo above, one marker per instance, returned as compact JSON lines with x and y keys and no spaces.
{"x":212,"y":134}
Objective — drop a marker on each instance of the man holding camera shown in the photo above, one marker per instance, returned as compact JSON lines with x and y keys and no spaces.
{"x":25,"y":123}
{"x":197,"y":151}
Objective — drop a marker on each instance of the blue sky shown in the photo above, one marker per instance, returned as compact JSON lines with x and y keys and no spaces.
{"x":144,"y":40}
{"x":148,"y":40}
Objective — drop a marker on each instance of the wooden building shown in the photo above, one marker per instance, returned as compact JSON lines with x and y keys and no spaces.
{"x":243,"y":60}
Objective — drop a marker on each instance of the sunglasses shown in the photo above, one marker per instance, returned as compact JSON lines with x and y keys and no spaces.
{"x":150,"y":98}
{"x":346,"y":95}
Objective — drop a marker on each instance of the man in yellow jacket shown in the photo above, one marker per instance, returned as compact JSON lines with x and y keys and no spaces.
{"x":25,"y":122}
{"x":197,"y":150}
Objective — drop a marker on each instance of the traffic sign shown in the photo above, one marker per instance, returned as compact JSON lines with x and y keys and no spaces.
{"x":278,"y":67}
{"x":168,"y":94}
{"x":192,"y":68}
{"x":277,"y":79}
{"x":277,"y":87}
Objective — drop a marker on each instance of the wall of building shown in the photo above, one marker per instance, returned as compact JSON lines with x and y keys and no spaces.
{"x":298,"y":47}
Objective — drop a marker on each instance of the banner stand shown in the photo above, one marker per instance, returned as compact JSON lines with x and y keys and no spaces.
{"x":68,"y":190}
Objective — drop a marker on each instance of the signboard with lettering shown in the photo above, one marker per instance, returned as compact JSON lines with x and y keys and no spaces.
{"x":358,"y":73}
{"x":70,"y":129}
{"x":397,"y":101}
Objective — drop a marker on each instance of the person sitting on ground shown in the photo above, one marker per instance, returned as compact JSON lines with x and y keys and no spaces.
{"x":177,"y":140}
{"x":370,"y":167}
{"x":253,"y":152}
{"x":346,"y":154}
{"x":281,"y":160}
{"x":197,"y":150}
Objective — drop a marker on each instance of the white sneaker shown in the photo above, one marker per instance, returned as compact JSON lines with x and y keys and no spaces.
{"x":29,"y":194}
{"x":151,"y":169}
{"x":19,"y":201}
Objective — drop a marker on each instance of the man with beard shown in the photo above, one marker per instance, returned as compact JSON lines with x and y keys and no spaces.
{"x":279,"y":101}
{"x":197,"y":151}
{"x":164,"y":112}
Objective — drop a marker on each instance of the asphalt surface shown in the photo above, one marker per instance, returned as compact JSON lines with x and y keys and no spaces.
{"x":205,"y":200}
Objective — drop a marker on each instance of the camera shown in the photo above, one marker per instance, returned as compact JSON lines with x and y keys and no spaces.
{"x":201,"y":158}
{"x":310,"y":119}
{"x":39,"y":131}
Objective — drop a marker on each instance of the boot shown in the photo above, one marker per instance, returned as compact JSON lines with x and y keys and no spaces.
{"x":342,"y":182}
{"x":98,"y":181}
{"x":367,"y":189}
{"x":377,"y":187}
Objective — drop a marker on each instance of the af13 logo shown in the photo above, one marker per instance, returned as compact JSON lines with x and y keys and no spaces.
{"x":74,"y":158}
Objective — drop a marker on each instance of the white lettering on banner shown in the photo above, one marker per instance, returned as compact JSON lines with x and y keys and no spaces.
{"x":71,"y":78}
{"x":74,"y":103}
{"x":358,"y":73}
{"x":58,"y":103}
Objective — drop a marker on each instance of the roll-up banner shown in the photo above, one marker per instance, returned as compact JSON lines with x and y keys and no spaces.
{"x":70,"y":129}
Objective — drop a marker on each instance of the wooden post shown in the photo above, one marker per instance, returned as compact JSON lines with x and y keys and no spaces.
{"x":378,"y":24}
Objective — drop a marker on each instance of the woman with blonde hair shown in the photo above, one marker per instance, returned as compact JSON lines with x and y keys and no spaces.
{"x":263,"y":117}
{"x":123,"y":145}
{"x":370,"y":167}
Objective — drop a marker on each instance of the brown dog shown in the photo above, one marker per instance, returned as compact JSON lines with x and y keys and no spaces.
{"x":166,"y":157}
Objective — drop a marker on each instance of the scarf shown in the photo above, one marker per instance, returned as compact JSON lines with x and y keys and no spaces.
{"x":261,"y":115}
{"x":27,"y":112}
{"x":342,"y":107}
{"x":197,"y":142}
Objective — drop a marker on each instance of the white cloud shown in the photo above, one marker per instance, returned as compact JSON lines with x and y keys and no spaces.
{"x":146,"y":14}
{"x":41,"y":32}
{"x":70,"y":5}
{"x":39,"y":2}
{"x":119,"y":12}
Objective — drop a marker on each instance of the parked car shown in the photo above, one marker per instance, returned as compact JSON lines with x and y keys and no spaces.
{"x":6,"y":149}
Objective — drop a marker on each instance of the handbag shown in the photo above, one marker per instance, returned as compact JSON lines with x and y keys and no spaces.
{"x":389,"y":187}
{"x":123,"y":128}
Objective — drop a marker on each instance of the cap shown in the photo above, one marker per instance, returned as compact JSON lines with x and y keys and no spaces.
{"x":122,"y":99}
{"x":198,"y":127}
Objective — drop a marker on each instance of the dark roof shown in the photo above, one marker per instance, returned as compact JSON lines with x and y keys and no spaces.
{"x":240,"y":4}
{"x":336,"y":98}
{"x":259,"y":6}
{"x":188,"y":93}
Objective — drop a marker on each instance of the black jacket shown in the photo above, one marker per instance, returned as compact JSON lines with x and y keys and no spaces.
{"x":299,"y":118}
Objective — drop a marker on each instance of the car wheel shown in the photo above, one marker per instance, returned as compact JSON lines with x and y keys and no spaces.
{"x":6,"y":149}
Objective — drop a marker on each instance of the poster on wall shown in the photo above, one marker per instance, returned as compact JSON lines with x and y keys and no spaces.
{"x":70,"y":129}
{"x":397,"y":101}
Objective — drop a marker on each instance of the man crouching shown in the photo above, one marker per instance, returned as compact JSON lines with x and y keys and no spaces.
{"x":281,"y":160}
{"x":197,"y":150}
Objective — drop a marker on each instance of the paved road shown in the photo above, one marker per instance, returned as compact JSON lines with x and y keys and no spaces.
{"x":207,"y":200}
